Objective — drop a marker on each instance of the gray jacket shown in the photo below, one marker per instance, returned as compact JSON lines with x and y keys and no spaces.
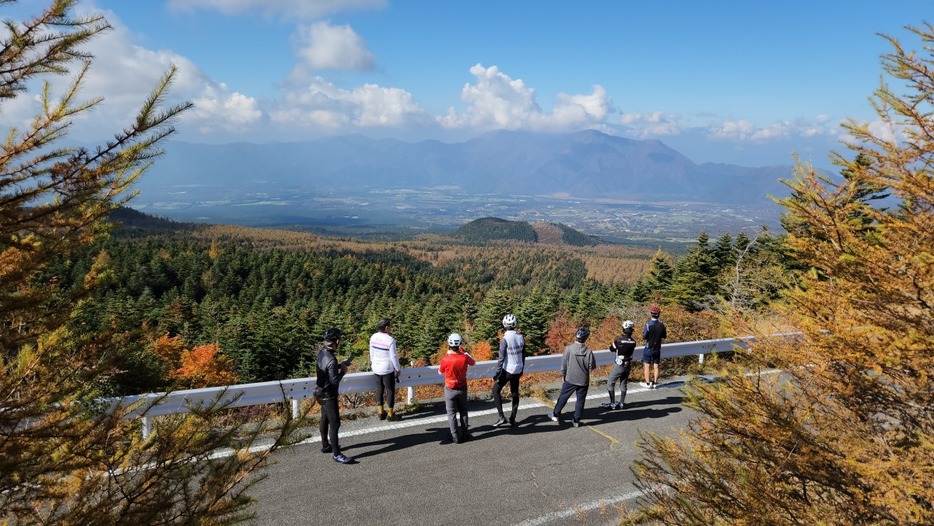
{"x":577,"y":363}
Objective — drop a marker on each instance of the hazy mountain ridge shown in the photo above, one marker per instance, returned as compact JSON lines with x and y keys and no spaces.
{"x":582,"y":164}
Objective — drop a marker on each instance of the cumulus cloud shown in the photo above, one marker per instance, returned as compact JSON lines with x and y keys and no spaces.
{"x":321,"y":103}
{"x":736,"y":130}
{"x":745,"y":131}
{"x":886,"y":131}
{"x":216,"y":109}
{"x":324,"y":46}
{"x":499,"y":102}
{"x":653,"y":124}
{"x":304,"y":9}
{"x":124,"y":74}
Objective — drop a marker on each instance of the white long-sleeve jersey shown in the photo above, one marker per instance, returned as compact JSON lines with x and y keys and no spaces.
{"x":383,"y":356}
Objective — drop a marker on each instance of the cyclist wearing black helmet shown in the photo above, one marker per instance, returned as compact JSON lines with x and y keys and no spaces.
{"x":576,"y":365}
{"x":329,"y":375}
{"x":509,"y":367}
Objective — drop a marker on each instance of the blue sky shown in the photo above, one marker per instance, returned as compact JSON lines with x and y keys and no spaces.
{"x":723,"y":81}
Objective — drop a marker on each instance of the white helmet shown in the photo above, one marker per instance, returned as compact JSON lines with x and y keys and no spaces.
{"x":509,"y":321}
{"x":628,"y":325}
{"x":455,"y":340}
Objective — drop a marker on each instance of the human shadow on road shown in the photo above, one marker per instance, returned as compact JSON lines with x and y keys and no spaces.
{"x":638,"y":410}
{"x":441,"y":435}
{"x":396,"y":443}
{"x":531,"y":424}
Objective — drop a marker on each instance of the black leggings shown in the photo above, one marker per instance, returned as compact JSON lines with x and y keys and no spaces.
{"x":387,"y":383}
{"x":513,"y":380}
{"x":329,"y":424}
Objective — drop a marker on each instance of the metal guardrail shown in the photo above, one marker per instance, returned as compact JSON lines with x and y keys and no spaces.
{"x":147,"y":406}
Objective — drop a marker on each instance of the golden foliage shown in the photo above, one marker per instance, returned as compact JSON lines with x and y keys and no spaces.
{"x":482,"y":351}
{"x":845,"y":434}
{"x":169,"y":349}
{"x":604,"y":263}
{"x":66,"y":456}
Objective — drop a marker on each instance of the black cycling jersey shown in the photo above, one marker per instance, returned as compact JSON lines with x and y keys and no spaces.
{"x":623,"y":347}
{"x":329,"y":373}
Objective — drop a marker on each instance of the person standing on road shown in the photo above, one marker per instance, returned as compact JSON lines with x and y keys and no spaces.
{"x":509,"y":366}
{"x":385,"y":363}
{"x":454,"y":368}
{"x":622,"y":347}
{"x":330,"y":372}
{"x":653,"y":334}
{"x":576,"y":365}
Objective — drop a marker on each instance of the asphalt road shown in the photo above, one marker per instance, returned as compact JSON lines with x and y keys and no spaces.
{"x":408,"y":472}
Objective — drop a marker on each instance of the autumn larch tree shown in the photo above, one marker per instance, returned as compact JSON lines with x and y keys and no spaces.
{"x":844,"y":434}
{"x":64,"y":457}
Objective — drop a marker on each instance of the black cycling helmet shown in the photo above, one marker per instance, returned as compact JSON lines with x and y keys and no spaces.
{"x":582,"y":334}
{"x":333,"y":334}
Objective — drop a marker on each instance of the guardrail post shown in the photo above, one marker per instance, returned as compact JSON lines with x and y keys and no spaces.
{"x":700,"y":359}
{"x":296,"y":407}
{"x":147,"y":426}
{"x":410,"y":395}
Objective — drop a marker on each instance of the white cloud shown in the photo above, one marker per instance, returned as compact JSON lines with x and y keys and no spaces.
{"x":733,"y":130}
{"x":775,"y":131}
{"x":583,"y":108}
{"x":496,"y":101}
{"x":218,"y":109}
{"x":745,"y":131}
{"x":654,"y":124}
{"x":324,"y":46}
{"x":304,"y":9}
{"x":124,"y":75}
{"x":321,"y":103}
{"x":886,"y":131}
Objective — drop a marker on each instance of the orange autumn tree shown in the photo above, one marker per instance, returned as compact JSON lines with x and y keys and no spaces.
{"x":482,"y":351}
{"x":205,"y":366}
{"x":169,"y":349}
{"x":560,"y":333}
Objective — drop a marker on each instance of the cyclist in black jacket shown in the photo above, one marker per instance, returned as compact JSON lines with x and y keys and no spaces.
{"x":329,"y":375}
{"x":622,"y":348}
{"x":653,"y":333}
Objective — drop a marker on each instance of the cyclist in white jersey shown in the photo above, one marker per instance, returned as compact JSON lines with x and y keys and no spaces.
{"x":509,"y":368}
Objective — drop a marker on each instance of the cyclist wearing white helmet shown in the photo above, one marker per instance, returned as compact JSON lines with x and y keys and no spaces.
{"x":509,"y":366}
{"x":454,"y":368}
{"x":622,"y":347}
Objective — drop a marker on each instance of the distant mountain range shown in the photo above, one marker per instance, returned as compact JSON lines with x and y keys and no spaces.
{"x":586,"y":164}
